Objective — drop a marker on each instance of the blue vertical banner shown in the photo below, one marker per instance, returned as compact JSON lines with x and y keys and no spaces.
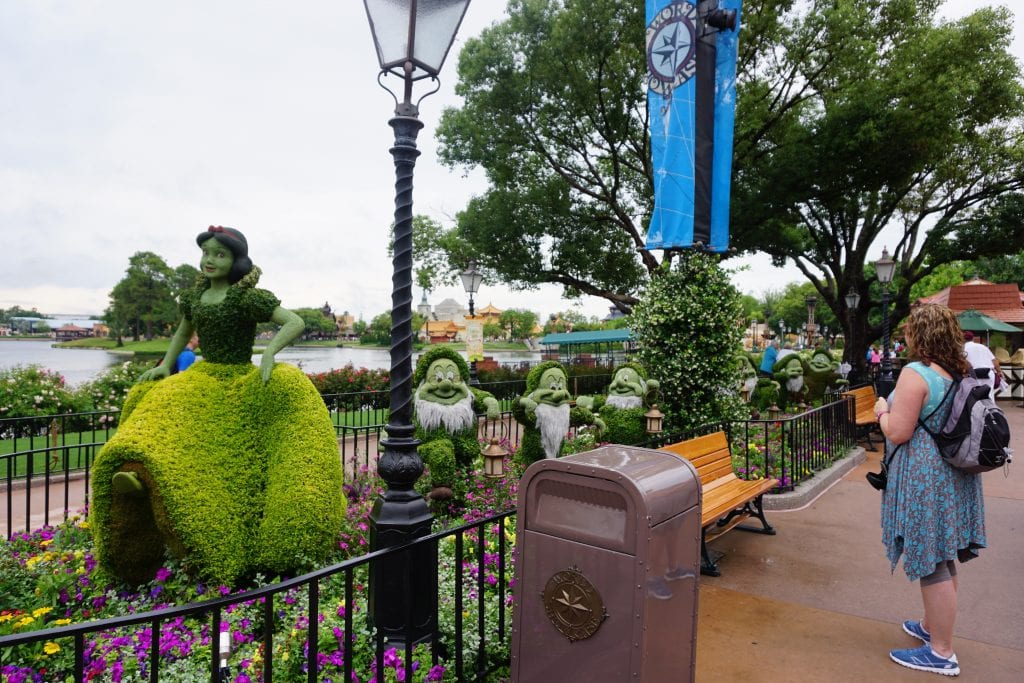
{"x":671,"y":101}
{"x":725,"y":115}
{"x":691,"y":92}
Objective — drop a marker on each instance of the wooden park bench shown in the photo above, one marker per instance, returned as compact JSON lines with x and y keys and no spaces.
{"x":726,"y":500}
{"x":864,"y":399}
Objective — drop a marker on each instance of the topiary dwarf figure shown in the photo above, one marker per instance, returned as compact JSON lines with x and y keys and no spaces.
{"x":746,"y":378}
{"x":446,"y":416}
{"x":546,"y":414}
{"x":622,"y":409}
{"x":822,"y":373}
{"x":789,"y":373}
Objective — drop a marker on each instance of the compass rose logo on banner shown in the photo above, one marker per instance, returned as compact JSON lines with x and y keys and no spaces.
{"x":671,"y":47}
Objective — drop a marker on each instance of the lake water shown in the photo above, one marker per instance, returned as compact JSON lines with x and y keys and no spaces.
{"x":81,"y":365}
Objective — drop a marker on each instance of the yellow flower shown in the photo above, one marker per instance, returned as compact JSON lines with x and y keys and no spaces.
{"x":24,"y":621}
{"x":46,"y":543}
{"x":5,"y":617}
{"x":61,"y":622}
{"x":40,"y":611}
{"x":84,"y":524}
{"x":51,"y":648}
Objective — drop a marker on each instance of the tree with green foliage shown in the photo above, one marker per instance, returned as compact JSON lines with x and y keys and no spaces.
{"x":517,"y":322}
{"x":318,"y":325}
{"x":185,"y":277}
{"x":858,"y":122}
{"x":143,"y":300}
{"x":685,"y":325}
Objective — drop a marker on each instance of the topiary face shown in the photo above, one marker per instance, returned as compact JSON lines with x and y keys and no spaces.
{"x":821,"y":361}
{"x":627,"y":382}
{"x":792,"y":369}
{"x":443,"y":383}
{"x":216,"y":260}
{"x":552,"y":388}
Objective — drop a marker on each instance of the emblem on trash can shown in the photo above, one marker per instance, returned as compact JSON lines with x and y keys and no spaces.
{"x":573,"y":605}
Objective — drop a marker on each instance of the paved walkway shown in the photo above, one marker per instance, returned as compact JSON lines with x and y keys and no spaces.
{"x":817,"y":601}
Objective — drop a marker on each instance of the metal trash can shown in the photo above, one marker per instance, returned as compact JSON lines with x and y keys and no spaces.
{"x":608,"y":560}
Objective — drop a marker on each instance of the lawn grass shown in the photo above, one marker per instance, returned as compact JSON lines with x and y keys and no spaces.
{"x":70,"y":446}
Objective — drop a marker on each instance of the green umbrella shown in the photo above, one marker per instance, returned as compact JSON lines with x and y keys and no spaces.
{"x":976,"y":321}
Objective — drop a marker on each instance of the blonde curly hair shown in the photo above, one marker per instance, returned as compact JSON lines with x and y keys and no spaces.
{"x":934,"y":336}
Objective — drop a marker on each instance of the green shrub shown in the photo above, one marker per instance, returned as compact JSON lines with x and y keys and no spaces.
{"x":686,"y":327}
{"x":108,"y":391}
{"x":33,"y":391}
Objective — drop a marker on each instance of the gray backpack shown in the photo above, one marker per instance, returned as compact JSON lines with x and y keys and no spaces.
{"x":975,"y":437}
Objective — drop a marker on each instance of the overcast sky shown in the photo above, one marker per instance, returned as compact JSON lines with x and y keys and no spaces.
{"x":129,"y":125}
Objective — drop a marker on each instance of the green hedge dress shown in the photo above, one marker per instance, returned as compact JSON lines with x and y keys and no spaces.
{"x":239,"y":475}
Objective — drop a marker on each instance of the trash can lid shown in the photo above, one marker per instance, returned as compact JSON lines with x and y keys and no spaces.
{"x":661,"y":484}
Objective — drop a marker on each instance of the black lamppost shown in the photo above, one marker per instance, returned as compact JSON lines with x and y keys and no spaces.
{"x":885,"y":268}
{"x":812,"y":302}
{"x":412,"y":40}
{"x":471,"y":279}
{"x":852,"y":302}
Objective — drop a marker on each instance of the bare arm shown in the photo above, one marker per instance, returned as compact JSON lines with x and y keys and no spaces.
{"x":291,"y":327}
{"x":178,"y":341}
{"x":899,"y":422}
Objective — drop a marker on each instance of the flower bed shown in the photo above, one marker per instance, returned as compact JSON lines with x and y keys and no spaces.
{"x":48,"y":578}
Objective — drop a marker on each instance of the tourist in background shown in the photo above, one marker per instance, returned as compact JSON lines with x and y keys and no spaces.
{"x":983,"y":362}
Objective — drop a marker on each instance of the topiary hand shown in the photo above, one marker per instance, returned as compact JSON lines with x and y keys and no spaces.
{"x":266,"y":366}
{"x":492,"y":407}
{"x":159,"y":372}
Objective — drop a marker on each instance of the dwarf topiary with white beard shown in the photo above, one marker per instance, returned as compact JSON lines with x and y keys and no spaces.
{"x":446,"y":409}
{"x":622,"y":410}
{"x":545,"y":413}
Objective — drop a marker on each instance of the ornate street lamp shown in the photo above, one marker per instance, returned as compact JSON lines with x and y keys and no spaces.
{"x":412,"y":38}
{"x":471,"y":279}
{"x":852,"y":298}
{"x":885,"y":268}
{"x":812,"y":302}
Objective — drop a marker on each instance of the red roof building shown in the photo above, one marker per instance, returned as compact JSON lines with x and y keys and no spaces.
{"x":1002,"y":302}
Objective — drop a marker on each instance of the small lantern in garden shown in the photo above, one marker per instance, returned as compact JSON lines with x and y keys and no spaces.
{"x":773,"y":412}
{"x":494,"y":458}
{"x":654,"y":419}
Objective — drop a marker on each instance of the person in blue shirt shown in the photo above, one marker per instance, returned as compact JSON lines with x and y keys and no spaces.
{"x":768,"y":359}
{"x":188,"y":355}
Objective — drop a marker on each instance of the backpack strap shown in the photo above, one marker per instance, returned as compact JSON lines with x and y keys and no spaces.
{"x":921,"y":422}
{"x":953,"y":386}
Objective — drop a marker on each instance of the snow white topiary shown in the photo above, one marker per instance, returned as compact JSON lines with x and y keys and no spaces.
{"x":233,"y":468}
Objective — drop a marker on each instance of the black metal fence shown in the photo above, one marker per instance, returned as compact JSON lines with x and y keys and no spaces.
{"x":313,"y":627}
{"x":789,"y":448}
{"x":52,"y":460}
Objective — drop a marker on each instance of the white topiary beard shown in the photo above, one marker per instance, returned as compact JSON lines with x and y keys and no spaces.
{"x":794,"y":385}
{"x":454,"y":418}
{"x":750,"y":384}
{"x":623,"y":402}
{"x":553,"y":423}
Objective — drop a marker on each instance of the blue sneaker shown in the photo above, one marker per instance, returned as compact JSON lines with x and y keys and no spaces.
{"x":915,"y":629}
{"x":924,"y":659}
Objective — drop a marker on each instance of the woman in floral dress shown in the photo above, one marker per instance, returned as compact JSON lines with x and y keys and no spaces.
{"x":932,"y":513}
